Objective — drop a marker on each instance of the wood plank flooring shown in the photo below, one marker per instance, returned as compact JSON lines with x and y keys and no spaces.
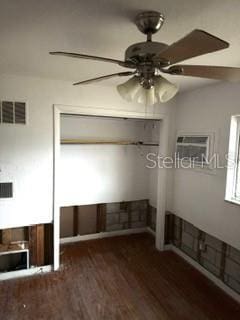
{"x":116,"y":278}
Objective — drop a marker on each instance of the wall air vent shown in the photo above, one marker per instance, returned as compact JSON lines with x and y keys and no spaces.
{"x":6,"y":190}
{"x":12,"y":112}
{"x":7,"y":112}
{"x":20,"y":112}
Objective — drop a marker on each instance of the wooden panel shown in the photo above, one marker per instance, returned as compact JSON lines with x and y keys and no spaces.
{"x":87,"y":219}
{"x":66,"y":222}
{"x":6,"y":236}
{"x":18,"y":234}
{"x":36,"y":245}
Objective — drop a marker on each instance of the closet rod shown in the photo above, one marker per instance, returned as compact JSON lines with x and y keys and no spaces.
{"x":135,"y":143}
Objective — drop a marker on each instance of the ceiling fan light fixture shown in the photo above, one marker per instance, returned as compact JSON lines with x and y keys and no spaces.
{"x":150,"y":97}
{"x":129,"y":89}
{"x":164,"y":90}
{"x":145,"y":96}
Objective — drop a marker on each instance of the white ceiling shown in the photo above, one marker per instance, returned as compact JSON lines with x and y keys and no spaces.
{"x":29,"y":29}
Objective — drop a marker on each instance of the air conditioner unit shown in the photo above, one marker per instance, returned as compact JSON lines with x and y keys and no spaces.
{"x":193,"y":148}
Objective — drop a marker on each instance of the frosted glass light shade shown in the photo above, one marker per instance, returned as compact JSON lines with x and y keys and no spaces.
{"x":145,"y":96}
{"x":164,"y":90}
{"x":129,"y":89}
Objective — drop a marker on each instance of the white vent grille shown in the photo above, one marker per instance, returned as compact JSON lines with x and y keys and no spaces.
{"x":6,"y":190}
{"x":20,"y":112}
{"x":12,"y":112}
{"x":7,"y":112}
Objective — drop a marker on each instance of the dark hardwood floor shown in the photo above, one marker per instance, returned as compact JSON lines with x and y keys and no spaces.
{"x":116,"y":278}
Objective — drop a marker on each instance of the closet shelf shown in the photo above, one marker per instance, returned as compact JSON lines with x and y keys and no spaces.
{"x":116,"y":142}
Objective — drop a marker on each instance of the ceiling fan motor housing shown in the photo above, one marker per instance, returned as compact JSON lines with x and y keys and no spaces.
{"x":145,"y":52}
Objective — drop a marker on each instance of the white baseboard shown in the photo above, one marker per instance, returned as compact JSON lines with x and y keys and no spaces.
{"x":102,"y":235}
{"x":208,"y":274}
{"x":25,"y":272}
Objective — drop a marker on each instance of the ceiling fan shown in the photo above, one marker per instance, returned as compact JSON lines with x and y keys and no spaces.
{"x":149,"y":60}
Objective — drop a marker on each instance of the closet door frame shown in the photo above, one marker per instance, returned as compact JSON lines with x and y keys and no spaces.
{"x":101,"y":112}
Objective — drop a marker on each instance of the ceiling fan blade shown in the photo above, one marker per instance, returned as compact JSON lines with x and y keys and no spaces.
{"x":120,"y":74}
{"x":196,"y":43}
{"x":209,"y":72}
{"x":88,"y":57}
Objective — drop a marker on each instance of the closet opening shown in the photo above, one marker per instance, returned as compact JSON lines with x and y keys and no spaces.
{"x":106,"y":187}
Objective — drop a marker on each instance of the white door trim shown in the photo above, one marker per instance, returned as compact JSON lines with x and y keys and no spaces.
{"x":89,"y":111}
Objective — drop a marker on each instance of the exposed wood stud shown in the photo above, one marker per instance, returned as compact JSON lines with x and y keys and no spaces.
{"x":26,"y":234}
{"x":129,"y":211}
{"x":40,"y":244}
{"x":101,"y":217}
{"x":201,"y":238}
{"x":75,"y":221}
{"x":36,"y":245}
{"x":104,"y":217}
{"x":98,"y":222}
{"x":179,"y":242}
{"x":123,"y":206}
{"x":223,"y":260}
{"x":169,"y":228}
{"x":32,"y":249}
{"x":48,"y":243}
{"x":149,"y":215}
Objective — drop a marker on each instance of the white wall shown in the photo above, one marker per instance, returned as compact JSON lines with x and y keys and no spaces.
{"x":198,"y":196}
{"x":105,"y":173}
{"x":26,"y":153}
